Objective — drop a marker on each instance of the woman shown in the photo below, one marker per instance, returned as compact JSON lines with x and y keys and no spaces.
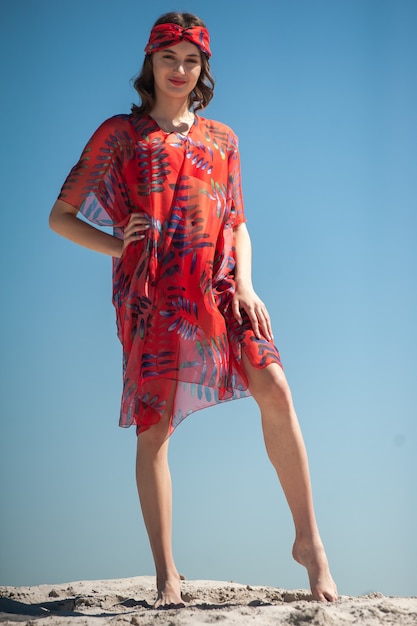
{"x":193,"y":330}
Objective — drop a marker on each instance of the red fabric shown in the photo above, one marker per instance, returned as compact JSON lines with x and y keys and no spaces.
{"x":166,"y":35}
{"x":173,"y":290}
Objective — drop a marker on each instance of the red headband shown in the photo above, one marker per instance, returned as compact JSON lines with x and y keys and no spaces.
{"x":167,"y":35}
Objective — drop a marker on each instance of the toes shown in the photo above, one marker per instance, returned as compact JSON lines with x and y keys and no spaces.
{"x":325,"y":596}
{"x":332,"y":597}
{"x":165,"y":606}
{"x":319,"y":597}
{"x":166,"y":603}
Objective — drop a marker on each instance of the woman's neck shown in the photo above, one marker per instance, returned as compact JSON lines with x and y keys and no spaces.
{"x":172,"y":112}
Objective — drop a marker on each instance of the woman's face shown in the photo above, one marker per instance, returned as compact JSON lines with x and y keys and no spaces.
{"x":176,"y":70}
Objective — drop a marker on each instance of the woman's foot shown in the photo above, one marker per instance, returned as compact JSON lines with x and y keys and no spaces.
{"x":169,"y":594}
{"x":313,"y":557}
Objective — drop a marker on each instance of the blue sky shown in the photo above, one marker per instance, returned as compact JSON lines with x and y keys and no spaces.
{"x":323,"y":96}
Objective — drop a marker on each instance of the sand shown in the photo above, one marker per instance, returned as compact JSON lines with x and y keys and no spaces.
{"x":129,"y":601}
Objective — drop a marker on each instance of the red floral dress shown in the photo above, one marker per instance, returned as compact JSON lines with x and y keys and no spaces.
{"x":172,"y":290}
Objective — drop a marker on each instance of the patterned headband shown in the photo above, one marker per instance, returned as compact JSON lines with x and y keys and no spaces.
{"x":166,"y":35}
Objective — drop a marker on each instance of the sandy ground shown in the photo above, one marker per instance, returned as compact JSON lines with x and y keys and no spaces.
{"x":129,"y":601}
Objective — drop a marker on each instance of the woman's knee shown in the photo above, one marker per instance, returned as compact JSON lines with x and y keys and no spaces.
{"x":270,"y":388}
{"x":154,"y":437}
{"x":158,"y":433}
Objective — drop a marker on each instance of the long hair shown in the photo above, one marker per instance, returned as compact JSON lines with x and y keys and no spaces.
{"x":145,"y":85}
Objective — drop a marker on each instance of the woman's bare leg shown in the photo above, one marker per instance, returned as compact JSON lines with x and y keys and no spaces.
{"x":286,"y":450}
{"x":155,"y":494}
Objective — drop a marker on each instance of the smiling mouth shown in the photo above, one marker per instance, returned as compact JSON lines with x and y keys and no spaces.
{"x":176,"y":82}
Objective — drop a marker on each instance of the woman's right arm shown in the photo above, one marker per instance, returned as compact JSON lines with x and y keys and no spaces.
{"x":64,"y":221}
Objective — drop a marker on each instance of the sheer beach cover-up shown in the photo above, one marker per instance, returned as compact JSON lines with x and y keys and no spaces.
{"x":172,"y":291}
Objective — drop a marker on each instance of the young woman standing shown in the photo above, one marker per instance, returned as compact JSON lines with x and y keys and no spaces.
{"x":193,"y":330}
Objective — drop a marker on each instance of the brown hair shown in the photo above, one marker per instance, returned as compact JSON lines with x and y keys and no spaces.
{"x":144,"y":83}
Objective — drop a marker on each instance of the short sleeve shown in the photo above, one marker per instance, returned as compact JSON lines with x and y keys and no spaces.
{"x":237,"y":214}
{"x":96,"y":185}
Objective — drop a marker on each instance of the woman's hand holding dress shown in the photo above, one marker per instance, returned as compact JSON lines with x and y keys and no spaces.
{"x":246,"y":299}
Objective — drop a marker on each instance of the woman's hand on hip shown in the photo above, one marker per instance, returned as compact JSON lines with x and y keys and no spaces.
{"x":135,"y":229}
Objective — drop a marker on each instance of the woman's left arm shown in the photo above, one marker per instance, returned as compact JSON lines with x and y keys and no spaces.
{"x":245,"y":297}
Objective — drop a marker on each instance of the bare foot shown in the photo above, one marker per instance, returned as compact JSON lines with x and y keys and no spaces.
{"x":314,"y":559}
{"x":169,"y":595}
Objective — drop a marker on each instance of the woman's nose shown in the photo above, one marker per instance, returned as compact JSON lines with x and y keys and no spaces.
{"x":180,"y":67}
